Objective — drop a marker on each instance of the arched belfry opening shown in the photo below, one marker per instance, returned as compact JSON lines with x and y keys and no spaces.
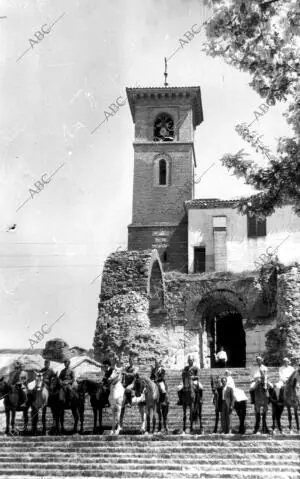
{"x":221,"y":324}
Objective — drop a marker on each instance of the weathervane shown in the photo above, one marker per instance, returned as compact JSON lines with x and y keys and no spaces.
{"x":166,"y":73}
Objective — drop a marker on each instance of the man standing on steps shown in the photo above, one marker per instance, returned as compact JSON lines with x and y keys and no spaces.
{"x":221,"y":358}
{"x":260,"y":371}
{"x":285,"y":372}
{"x":189,"y":373}
{"x":227,"y":406}
{"x":129,"y":376}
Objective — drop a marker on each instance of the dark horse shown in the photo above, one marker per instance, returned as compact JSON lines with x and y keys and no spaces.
{"x":59,"y":403}
{"x":191,"y":398}
{"x":149,"y":406}
{"x":239,"y":406}
{"x":98,"y":398}
{"x":38,"y":399}
{"x":261,"y":401}
{"x":13,"y":397}
{"x":291,"y":399}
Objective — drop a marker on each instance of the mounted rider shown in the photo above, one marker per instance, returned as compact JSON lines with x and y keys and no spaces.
{"x":108,"y":369}
{"x":157,"y":375}
{"x":47,"y":373}
{"x":285,"y":372}
{"x":19,"y":378}
{"x":129,"y":375}
{"x":67,"y":376}
{"x":260,"y":374}
{"x":191,"y":373}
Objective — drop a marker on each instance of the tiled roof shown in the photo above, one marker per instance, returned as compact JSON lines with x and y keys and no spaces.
{"x":207,"y":203}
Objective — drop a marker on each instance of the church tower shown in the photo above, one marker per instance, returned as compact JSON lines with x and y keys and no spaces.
{"x":165,"y":119}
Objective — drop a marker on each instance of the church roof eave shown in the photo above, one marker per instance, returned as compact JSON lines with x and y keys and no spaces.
{"x":192,"y":92}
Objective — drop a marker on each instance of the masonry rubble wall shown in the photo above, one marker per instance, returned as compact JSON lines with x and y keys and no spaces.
{"x":162,"y":312}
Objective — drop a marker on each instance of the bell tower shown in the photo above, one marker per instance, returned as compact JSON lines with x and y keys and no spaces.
{"x":165,"y":120}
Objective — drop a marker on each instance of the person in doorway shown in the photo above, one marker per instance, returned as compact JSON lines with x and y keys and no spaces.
{"x":221,"y":358}
{"x":285,"y":371}
{"x":227,"y":406}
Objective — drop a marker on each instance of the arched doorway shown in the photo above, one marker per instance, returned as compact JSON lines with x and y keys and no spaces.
{"x":221,"y":324}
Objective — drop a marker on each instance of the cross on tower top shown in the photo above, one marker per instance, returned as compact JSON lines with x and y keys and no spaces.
{"x":166,"y":72}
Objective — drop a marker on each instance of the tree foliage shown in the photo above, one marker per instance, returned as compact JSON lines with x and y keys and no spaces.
{"x":262,"y":37}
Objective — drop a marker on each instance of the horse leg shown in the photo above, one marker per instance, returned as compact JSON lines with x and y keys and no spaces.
{"x":200,"y":418}
{"x":122,"y":414}
{"x":165,"y":410}
{"x":264,"y":422}
{"x":25,"y":419}
{"x":34,"y":420}
{"x":274,"y":416}
{"x":154,"y":418}
{"x":62,"y":420}
{"x":184,"y":417}
{"x":119,"y":407}
{"x":81,"y":417}
{"x":159,"y":412}
{"x":95,"y":412}
{"x":142,"y":409}
{"x":279,"y":411}
{"x":7,"y":417}
{"x":296,"y":418}
{"x":44,"y":410}
{"x":191,"y":417}
{"x":113,"y":420}
{"x":290,"y":417}
{"x":100,"y":420}
{"x":257,"y":421}
{"x":216,"y":421}
{"x":76,"y":417}
{"x":12,"y":423}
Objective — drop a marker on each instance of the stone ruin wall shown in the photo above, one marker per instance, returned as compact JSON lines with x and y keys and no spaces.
{"x":159,"y":313}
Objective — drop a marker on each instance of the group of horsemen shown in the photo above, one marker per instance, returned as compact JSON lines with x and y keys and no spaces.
{"x":190,"y":374}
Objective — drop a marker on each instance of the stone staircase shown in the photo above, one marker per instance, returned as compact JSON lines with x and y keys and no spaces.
{"x":152,"y":457}
{"x":156,"y":456}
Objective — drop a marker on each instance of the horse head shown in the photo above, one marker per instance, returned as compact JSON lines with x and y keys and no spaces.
{"x":116,"y":376}
{"x":39,"y":382}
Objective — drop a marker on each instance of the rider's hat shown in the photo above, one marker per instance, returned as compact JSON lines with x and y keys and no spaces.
{"x":190,"y":356}
{"x":287,"y":360}
{"x":259,"y":357}
{"x":107,"y":361}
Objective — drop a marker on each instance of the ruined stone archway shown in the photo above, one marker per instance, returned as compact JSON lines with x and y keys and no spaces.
{"x":221,"y":316}
{"x":132,"y":291}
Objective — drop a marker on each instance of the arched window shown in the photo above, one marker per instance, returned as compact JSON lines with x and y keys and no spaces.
{"x":163,"y":128}
{"x":162,"y":172}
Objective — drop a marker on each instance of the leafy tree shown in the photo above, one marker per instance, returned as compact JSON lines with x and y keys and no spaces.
{"x":262,"y":37}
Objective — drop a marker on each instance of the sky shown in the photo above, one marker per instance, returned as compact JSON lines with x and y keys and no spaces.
{"x":52,"y":99}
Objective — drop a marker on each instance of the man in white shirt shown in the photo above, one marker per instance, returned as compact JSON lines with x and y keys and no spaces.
{"x":221,"y":358}
{"x":285,"y":372}
{"x":260,"y":371}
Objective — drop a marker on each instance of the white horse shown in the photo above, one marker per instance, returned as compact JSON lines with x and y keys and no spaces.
{"x":116,"y":396}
